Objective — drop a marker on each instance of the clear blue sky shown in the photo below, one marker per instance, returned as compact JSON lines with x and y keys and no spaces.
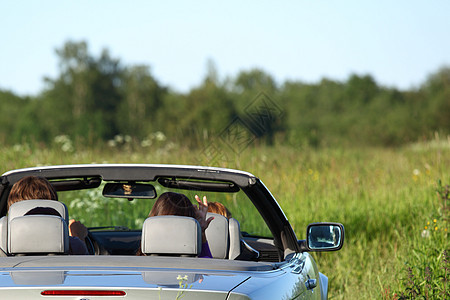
{"x":398,"y":42}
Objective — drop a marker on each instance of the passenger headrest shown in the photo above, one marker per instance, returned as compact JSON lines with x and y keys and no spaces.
{"x":235,"y":238}
{"x":171,"y":235}
{"x":217,"y":235}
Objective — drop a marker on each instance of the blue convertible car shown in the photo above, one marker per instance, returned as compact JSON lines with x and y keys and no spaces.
{"x":256,"y":254}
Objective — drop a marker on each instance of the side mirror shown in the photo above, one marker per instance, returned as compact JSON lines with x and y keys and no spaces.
{"x":324,"y":236}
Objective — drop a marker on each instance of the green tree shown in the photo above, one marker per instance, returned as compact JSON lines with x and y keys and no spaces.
{"x":87,"y":92}
{"x":256,"y":97}
{"x":142,"y":98}
{"x":17,"y":121}
{"x":208,"y":109}
{"x":436,"y":91}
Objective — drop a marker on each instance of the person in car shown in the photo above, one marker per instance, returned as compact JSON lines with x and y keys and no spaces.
{"x":34,"y":187}
{"x":177,"y":204}
{"x":219,"y":208}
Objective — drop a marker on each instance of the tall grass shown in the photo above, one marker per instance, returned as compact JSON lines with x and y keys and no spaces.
{"x":384,"y":197}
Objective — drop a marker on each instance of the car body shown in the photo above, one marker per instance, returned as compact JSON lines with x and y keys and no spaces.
{"x":271,"y":262}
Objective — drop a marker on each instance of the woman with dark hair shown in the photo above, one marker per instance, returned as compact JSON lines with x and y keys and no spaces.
{"x":31,"y":187}
{"x":173,"y":204}
{"x":176,"y":204}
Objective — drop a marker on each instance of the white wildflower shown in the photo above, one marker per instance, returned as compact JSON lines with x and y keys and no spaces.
{"x":425,"y":233}
{"x":146,"y":143}
{"x":159,"y":136}
{"x":119,"y":138}
{"x":67,"y":147}
{"x":182,"y":278}
{"x":62,"y":139}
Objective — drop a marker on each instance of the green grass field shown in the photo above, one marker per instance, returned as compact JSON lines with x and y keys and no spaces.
{"x":396,"y":224}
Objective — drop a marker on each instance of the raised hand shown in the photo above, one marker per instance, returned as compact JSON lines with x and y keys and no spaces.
{"x":77,"y":229}
{"x":201,"y":212}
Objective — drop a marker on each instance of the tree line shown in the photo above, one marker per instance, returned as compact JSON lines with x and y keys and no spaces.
{"x":93,"y":99}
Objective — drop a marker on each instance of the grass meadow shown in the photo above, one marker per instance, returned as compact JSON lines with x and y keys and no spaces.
{"x":392,"y":202}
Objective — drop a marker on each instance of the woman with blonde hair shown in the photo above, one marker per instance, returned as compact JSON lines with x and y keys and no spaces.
{"x":219,"y":208}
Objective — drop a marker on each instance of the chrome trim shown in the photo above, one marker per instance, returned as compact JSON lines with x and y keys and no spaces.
{"x":251,"y":249}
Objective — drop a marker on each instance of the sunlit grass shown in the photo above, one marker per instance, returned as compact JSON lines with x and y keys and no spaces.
{"x":384,"y":197}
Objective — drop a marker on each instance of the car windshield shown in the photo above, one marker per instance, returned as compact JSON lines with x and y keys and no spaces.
{"x":94,"y":210}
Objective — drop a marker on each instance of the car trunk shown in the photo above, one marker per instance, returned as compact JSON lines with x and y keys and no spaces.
{"x":87,"y":277}
{"x":31,"y":283}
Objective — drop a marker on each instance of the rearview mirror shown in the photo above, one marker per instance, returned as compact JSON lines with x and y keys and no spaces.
{"x":324,"y":236}
{"x":129,"y":190}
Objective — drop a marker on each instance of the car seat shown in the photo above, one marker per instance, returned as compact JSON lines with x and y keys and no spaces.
{"x":225,"y":239}
{"x":24,"y":235}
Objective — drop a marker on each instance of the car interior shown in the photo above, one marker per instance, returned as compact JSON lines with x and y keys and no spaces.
{"x":171,"y":236}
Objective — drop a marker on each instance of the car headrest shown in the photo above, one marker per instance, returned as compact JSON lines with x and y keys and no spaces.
{"x":22,"y":207}
{"x":235,"y":238}
{"x":217,"y":235}
{"x":171,"y":235}
{"x":38,"y":234}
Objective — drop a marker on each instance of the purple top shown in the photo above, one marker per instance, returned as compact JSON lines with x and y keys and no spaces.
{"x":206,"y":253}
